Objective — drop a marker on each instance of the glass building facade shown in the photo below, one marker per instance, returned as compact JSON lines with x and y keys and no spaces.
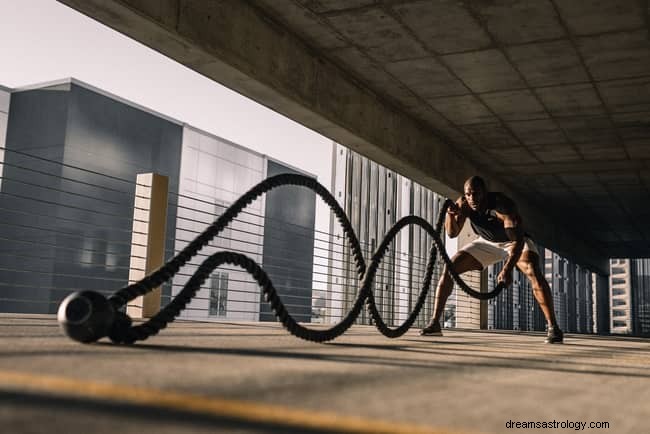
{"x":66,"y":199}
{"x":640,"y":271}
{"x":375,"y":198}
{"x":68,"y":192}
{"x":515,"y":308}
{"x":213,"y":174}
{"x":573,"y":297}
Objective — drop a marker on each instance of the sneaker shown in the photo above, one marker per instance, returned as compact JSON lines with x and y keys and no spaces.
{"x":433,"y":329}
{"x":554,"y":335}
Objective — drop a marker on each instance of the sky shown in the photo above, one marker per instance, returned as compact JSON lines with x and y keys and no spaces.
{"x":42,"y":40}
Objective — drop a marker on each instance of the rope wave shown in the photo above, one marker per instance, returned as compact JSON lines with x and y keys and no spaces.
{"x":122,"y":331}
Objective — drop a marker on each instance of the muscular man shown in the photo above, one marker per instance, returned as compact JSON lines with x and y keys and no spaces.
{"x":497,"y":223}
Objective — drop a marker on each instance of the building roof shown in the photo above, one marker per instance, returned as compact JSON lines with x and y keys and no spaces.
{"x":65,"y":84}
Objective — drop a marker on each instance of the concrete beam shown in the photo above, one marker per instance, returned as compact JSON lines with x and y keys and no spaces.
{"x":582,"y":167}
{"x":235,"y":44}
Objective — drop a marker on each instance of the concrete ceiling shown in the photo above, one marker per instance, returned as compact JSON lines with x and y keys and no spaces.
{"x":548,"y":98}
{"x":551,"y":96}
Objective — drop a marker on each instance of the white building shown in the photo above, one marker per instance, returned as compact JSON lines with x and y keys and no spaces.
{"x":213,"y":174}
{"x":375,"y":198}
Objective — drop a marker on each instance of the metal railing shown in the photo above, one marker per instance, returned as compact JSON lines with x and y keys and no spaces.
{"x":65,"y":228}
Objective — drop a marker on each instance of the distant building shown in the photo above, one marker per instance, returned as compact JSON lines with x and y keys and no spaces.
{"x":620,"y":284}
{"x":375,"y":198}
{"x":276,"y":231}
{"x":515,"y":308}
{"x":67,"y":198}
{"x":630,"y":293}
{"x":573,"y":297}
{"x":601,"y":303}
{"x":585,"y":318}
{"x":640,"y":272}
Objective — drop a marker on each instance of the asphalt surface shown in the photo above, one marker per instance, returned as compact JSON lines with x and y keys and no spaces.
{"x":255,"y":377}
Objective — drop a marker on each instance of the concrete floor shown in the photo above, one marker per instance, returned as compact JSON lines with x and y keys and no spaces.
{"x":251,"y":377}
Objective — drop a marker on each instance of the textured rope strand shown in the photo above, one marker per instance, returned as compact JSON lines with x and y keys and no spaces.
{"x":126,"y":333}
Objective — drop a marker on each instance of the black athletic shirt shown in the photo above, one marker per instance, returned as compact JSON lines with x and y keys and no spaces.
{"x":486,"y":224}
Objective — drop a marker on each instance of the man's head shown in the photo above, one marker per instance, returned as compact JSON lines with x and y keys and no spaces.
{"x":475,"y":191}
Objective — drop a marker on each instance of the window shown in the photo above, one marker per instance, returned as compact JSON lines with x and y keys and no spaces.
{"x":218,"y":294}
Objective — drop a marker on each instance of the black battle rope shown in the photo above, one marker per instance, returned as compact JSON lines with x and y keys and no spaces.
{"x":122,"y":331}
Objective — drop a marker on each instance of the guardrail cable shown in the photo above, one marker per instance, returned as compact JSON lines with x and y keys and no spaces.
{"x":88,"y":316}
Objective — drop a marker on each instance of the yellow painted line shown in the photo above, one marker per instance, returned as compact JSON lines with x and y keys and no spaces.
{"x":234,"y":409}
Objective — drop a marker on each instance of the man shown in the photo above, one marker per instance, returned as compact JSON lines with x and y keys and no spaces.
{"x":495,"y":220}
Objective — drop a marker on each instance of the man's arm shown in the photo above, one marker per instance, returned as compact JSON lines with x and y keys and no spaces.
{"x":512,"y":223}
{"x":456,"y":216}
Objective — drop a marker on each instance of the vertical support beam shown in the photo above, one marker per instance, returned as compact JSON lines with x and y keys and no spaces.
{"x":148,"y":239}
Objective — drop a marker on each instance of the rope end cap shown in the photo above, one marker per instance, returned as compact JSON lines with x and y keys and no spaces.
{"x":86,"y":316}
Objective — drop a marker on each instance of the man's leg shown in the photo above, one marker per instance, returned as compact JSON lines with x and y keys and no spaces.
{"x":529,"y":265}
{"x":462,"y":262}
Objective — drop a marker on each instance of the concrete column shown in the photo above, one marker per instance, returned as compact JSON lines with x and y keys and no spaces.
{"x":148,"y":239}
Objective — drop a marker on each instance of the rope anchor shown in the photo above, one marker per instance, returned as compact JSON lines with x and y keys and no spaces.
{"x":88,"y":316}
